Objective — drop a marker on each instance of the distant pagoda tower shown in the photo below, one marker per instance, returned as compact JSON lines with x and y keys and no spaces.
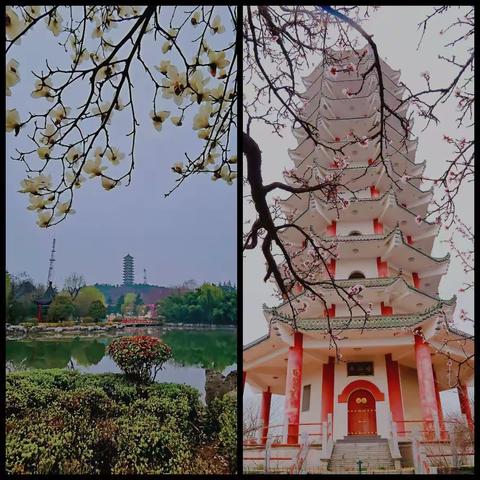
{"x":128,"y":270}
{"x":385,"y":386}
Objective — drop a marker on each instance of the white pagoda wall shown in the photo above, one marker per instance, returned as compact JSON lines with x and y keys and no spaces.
{"x":365,"y":227}
{"x":313,"y":376}
{"x":410,"y":395}
{"x":344,"y":267}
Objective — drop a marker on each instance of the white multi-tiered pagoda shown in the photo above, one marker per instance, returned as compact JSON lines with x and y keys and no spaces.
{"x":378,"y":400}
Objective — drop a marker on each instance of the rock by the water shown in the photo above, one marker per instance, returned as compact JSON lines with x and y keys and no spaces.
{"x":217,"y":384}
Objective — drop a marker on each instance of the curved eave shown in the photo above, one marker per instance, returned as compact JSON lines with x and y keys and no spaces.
{"x":374,"y":322}
{"x":372,"y":286}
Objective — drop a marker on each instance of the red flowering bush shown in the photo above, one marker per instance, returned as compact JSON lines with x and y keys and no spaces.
{"x":140,"y":357}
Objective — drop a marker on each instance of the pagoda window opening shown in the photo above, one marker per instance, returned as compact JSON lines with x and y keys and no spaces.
{"x":355,"y":275}
{"x":355,"y":233}
{"x":306,"y":398}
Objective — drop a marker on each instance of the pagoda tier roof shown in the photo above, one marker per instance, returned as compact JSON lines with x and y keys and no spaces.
{"x":366,"y":100}
{"x":342,"y":79}
{"x":372,"y":322}
{"x":393,"y":291}
{"x":265,"y":359}
{"x":307,"y":145}
{"x":393,"y":248}
{"x":346,"y":56}
{"x":314,"y":211}
{"x":47,"y":297}
{"x":379,"y":174}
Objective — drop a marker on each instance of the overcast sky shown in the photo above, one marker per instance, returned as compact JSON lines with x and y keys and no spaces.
{"x":189,"y":235}
{"x":395,"y":32}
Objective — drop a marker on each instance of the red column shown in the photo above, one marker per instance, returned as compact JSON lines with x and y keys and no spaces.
{"x":443,"y":432}
{"x":332,"y":229}
{"x":416,"y":280}
{"x":294,"y":384}
{"x":395,"y":393}
{"x":465,"y":404}
{"x":426,"y":383}
{"x":328,"y":378}
{"x":265,"y":414}
{"x":382,"y":268}
{"x":377,"y":226}
{"x":244,"y":378}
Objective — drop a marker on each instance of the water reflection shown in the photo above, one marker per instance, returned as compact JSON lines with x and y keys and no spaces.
{"x":192,"y":351}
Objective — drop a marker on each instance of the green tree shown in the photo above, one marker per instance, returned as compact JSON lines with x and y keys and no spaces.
{"x":61,"y":309}
{"x":209,"y":304}
{"x":97,"y":310}
{"x":86,"y":296}
{"x":128,"y":307}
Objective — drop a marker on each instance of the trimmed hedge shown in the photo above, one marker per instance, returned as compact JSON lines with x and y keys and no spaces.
{"x":64,"y":422}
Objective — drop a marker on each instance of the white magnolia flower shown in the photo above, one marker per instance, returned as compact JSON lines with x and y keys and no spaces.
{"x":13,"y":121}
{"x":80,"y":57}
{"x":176,"y":121}
{"x":44,"y":152}
{"x":93,"y":167}
{"x":164,"y":66}
{"x":115,"y":155}
{"x":201,"y":119}
{"x":33,"y":185}
{"x":64,"y":208}
{"x":55,"y":23}
{"x":232,"y":159}
{"x":217,"y":93}
{"x":125,"y":11}
{"x":72,"y":179}
{"x":102,"y":112}
{"x":73,"y":155}
{"x":119,"y":105}
{"x":12,"y":77}
{"x":178,"y":167}
{"x":173,"y":32}
{"x":43,"y":218}
{"x":222,"y":74}
{"x":38,"y":202}
{"x":197,"y":86}
{"x":216,"y":25}
{"x":49,"y":135}
{"x":59,"y":114}
{"x":231,"y":177}
{"x":13,"y":25}
{"x":105,"y":72}
{"x":43,"y":88}
{"x":98,"y":30}
{"x":33,"y":11}
{"x":195,"y":19}
{"x":225,"y":171}
{"x":204,"y":133}
{"x":174,"y":85}
{"x":217,"y":60}
{"x":166,"y":46}
{"x":98,"y":153}
{"x":108,"y":184}
{"x":158,"y":118}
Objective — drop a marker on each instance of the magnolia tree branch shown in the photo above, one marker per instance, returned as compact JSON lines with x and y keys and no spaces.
{"x":75,"y":122}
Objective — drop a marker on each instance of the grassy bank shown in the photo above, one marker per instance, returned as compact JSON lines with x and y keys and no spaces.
{"x":64,"y":422}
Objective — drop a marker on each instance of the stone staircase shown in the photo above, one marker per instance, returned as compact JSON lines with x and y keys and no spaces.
{"x":373,"y":451}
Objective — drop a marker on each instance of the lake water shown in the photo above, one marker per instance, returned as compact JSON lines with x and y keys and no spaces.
{"x":192,"y":352}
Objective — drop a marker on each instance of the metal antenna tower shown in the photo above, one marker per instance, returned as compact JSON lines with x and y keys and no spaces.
{"x":145,"y":276}
{"x":52,"y":259}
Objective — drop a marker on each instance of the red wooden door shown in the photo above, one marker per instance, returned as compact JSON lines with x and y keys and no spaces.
{"x":362,"y":417}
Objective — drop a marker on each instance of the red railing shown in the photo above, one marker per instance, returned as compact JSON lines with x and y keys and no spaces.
{"x":260,"y":440}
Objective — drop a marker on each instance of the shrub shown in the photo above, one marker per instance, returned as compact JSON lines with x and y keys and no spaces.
{"x":221,"y":424}
{"x":140,"y":357}
{"x":97,"y":310}
{"x":62,"y":422}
